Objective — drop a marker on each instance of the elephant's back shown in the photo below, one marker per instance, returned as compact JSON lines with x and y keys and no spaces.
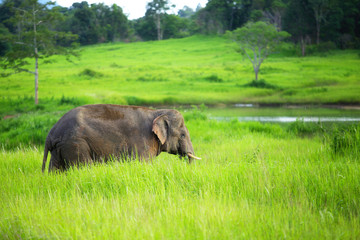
{"x":66,"y":125}
{"x":104,"y":120}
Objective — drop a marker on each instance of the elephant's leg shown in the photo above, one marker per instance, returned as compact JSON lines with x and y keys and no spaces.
{"x":56,"y":164}
{"x":75,"y":153}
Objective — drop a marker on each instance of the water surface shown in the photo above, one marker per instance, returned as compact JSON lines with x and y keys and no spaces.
{"x":249,"y":112}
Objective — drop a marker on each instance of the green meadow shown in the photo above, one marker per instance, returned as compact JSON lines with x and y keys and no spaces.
{"x":194,"y":70}
{"x":255,"y":181}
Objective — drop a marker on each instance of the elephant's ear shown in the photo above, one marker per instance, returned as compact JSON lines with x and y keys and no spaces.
{"x":160,"y":128}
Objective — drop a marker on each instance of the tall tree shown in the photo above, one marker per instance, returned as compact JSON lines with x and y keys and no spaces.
{"x":157,"y":8}
{"x":320,"y":8}
{"x":257,"y":41}
{"x":83,"y":23}
{"x":34,"y":38}
{"x":221,"y":15}
{"x":186,"y":12}
{"x":275,"y":13}
{"x":299,"y":23}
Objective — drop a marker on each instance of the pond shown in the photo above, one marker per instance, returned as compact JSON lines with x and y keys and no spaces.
{"x":285,"y":114}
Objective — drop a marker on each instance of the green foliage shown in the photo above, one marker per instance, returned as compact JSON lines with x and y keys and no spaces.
{"x":322,"y":48}
{"x":34,"y":36}
{"x":257,"y":41}
{"x":91,"y":73}
{"x":248,"y":169}
{"x":149,"y":78}
{"x":26,"y":129}
{"x":265,"y":128}
{"x":301,"y":128}
{"x":132,"y":100}
{"x":153,"y":75}
{"x":69,"y":101}
{"x":261,"y":83}
{"x":196,"y":113}
{"x":346,"y":141}
{"x":213,"y":78}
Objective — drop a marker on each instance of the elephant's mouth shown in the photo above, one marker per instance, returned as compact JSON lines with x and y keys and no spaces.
{"x":190,"y":156}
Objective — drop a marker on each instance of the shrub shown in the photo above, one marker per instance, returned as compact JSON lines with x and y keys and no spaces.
{"x":271,"y":129}
{"x":69,"y":101}
{"x":299,"y":127}
{"x":261,"y":83}
{"x":321,"y":48}
{"x":149,"y":78}
{"x":90,"y":73}
{"x":346,"y":140}
{"x":196,"y":113}
{"x":213,"y":78}
{"x":132,"y":100}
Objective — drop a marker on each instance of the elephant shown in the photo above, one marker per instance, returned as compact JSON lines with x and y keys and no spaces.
{"x":101,"y":132}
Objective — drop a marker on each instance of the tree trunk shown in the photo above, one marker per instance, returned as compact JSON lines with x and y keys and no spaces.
{"x":158,"y":26}
{"x":317,"y":32}
{"x":36,"y":79}
{"x":319,"y":17}
{"x":303,"y":46}
{"x":36,"y":72}
{"x":256,"y":70}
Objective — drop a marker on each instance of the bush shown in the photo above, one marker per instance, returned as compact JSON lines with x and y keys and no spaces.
{"x":132,"y":100}
{"x":261,"y":83}
{"x":90,"y":73}
{"x":149,"y":78}
{"x":346,"y":140}
{"x":299,"y":127}
{"x":321,"y":48}
{"x":213,"y":78}
{"x":69,"y":101}
{"x":266,"y":128}
{"x":196,"y":113}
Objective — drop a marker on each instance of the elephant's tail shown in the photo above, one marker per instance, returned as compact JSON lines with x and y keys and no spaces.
{"x":46,"y":151}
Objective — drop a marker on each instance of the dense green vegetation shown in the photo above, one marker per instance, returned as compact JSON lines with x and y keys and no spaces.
{"x":255,"y":181}
{"x":192,"y":70}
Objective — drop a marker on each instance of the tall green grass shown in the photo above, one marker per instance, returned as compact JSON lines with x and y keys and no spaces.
{"x":256,"y":181}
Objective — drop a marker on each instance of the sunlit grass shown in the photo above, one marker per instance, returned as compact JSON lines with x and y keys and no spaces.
{"x":180,"y":71}
{"x":255,"y":181}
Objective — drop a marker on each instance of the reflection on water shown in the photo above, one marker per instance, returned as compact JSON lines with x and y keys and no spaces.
{"x":285,"y":114}
{"x":289,"y":119}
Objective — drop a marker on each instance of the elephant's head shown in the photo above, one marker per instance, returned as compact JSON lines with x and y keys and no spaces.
{"x":170,"y":129}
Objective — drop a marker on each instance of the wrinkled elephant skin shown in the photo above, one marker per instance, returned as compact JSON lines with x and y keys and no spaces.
{"x":97,"y":133}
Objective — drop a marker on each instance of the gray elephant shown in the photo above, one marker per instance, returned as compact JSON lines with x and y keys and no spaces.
{"x":96,"y":133}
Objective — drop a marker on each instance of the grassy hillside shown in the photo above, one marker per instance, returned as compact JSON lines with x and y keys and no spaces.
{"x":198,"y":69}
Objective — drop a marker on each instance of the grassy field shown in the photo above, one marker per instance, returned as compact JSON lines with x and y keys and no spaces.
{"x":256,"y":181}
{"x":193,"y":70}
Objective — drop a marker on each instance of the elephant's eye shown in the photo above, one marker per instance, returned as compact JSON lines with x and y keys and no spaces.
{"x":182,"y":136}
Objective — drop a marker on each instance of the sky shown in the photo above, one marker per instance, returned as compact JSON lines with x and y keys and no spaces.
{"x":136,"y":8}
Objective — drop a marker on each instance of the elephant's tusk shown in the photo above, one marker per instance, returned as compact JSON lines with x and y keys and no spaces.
{"x":192,"y":156}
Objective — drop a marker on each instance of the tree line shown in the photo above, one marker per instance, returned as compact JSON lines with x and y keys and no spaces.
{"x":308,"y":21}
